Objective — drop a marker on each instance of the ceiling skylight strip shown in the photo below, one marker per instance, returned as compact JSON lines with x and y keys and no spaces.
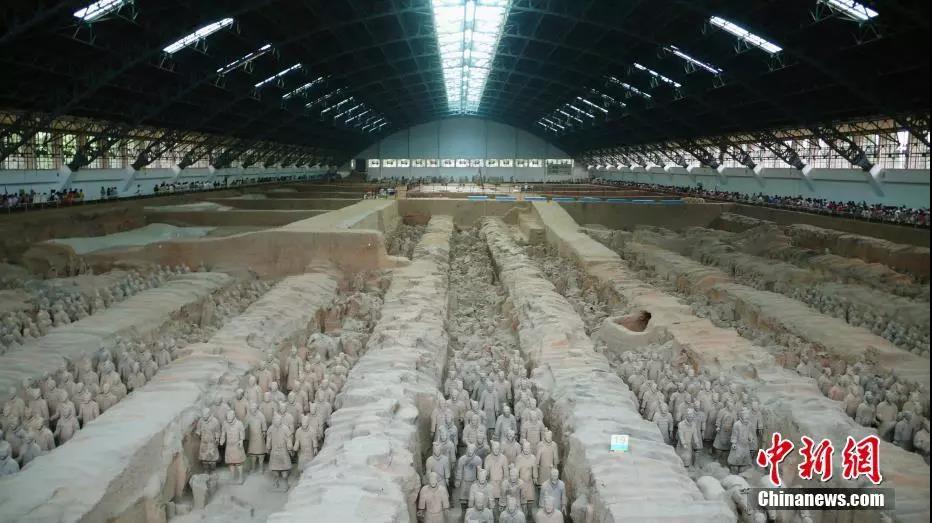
{"x":657,"y":75}
{"x":852,"y":9}
{"x":99,"y":9}
{"x":698,"y":63}
{"x":591,"y":104}
{"x":630,"y":88}
{"x":303,"y":88}
{"x":278,"y":75}
{"x":243,"y":60}
{"x":467,"y":38}
{"x":197,"y":35}
{"x":745,"y":35}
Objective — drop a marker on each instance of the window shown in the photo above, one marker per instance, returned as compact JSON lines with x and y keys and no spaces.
{"x":467,"y":38}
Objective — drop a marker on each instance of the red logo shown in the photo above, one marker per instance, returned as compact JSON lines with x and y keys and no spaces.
{"x":817,"y":459}
{"x":862,"y":458}
{"x":772,"y":457}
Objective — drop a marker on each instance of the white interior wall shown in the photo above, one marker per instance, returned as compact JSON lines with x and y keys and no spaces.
{"x":470,"y":138}
{"x":895,"y":187}
{"x":130,"y":183}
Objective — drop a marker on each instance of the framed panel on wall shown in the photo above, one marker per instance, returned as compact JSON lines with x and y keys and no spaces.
{"x":535,"y":162}
{"x":389,"y":162}
{"x":462,"y":162}
{"x":420,"y":162}
{"x":506,"y":162}
{"x":433,"y":162}
{"x":476,"y":162}
{"x":448,"y":162}
{"x":491,"y":162}
{"x":521,"y":162}
{"x":404,"y":162}
{"x":374,"y":163}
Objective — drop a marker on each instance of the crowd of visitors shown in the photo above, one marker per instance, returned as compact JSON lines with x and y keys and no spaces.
{"x":23,"y":199}
{"x":917,"y":217}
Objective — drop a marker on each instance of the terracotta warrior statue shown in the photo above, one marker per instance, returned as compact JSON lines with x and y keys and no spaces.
{"x":742,"y":436}
{"x":511,"y":512}
{"x":688,"y":438}
{"x":233,"y":437}
{"x":255,"y":434}
{"x":479,"y":512}
{"x":279,"y":445}
{"x":433,"y":500}
{"x":305,"y":442}
{"x":208,"y":430}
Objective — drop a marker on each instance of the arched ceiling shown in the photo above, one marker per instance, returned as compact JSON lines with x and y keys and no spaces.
{"x":384,"y":54}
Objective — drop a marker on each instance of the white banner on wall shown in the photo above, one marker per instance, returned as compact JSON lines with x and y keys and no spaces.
{"x":554,"y":165}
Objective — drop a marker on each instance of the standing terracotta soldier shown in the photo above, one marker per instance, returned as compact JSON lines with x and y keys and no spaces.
{"x":511,"y":512}
{"x":723,"y":426}
{"x":208,"y":430}
{"x":467,"y":470}
{"x":438,"y":462}
{"x":549,"y":513}
{"x":305,"y":442}
{"x":255,"y":435}
{"x":433,"y":500}
{"x":526,"y":464}
{"x":233,"y":436}
{"x":8,"y":465}
{"x":688,"y":438}
{"x":67,"y":424}
{"x":480,"y":511}
{"x":240,"y":405}
{"x":497,"y":465}
{"x":106,"y":398}
{"x":741,"y":439}
{"x":480,"y":487}
{"x":278,"y":442}
{"x":548,"y":457}
{"x":88,"y":410}
{"x":554,"y":489}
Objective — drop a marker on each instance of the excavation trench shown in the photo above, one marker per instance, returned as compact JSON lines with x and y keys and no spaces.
{"x":791,"y":403}
{"x":585,"y":403}
{"x":370,"y":463}
{"x":141,"y":451}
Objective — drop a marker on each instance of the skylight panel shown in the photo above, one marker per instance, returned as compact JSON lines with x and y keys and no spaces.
{"x":852,"y":9}
{"x":278,"y":75}
{"x":592,"y":104}
{"x":745,"y":35}
{"x":578,"y":110}
{"x":303,"y":88}
{"x":630,"y":88}
{"x":243,"y":60}
{"x":198,"y":35}
{"x":99,"y":9}
{"x":657,"y":75}
{"x":467,"y":38}
{"x":551,"y":122}
{"x":689,"y":59}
